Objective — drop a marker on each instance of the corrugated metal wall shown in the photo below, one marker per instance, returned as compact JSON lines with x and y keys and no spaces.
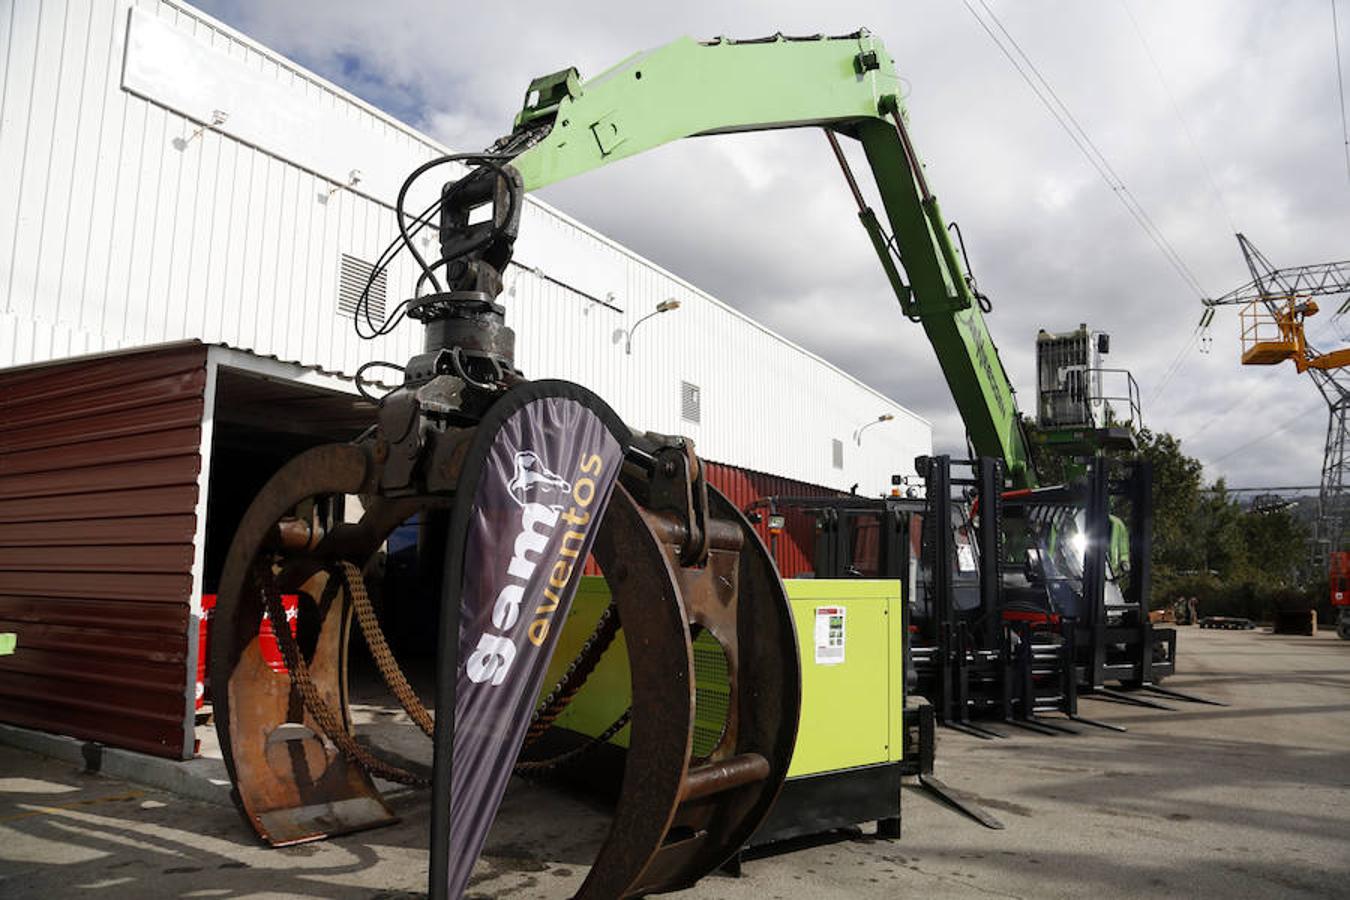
{"x":124,"y":223}
{"x":122,"y":229}
{"x":98,"y":486}
{"x":767,"y":405}
{"x":794,"y":548}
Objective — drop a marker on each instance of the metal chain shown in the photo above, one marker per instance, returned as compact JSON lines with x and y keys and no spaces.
{"x":379,"y":649}
{"x":543,"y":766}
{"x":574,"y":678}
{"x":328,"y":722}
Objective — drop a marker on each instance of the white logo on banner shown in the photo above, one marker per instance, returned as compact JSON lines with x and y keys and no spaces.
{"x":533,"y":482}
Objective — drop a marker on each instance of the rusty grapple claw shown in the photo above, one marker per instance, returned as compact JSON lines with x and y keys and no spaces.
{"x":678,"y":559}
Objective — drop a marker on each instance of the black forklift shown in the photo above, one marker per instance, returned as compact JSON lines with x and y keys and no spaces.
{"x":1042,"y":597}
{"x":972,"y":656}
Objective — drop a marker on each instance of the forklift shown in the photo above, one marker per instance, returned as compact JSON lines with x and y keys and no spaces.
{"x":976,"y":650}
{"x":1043,"y":597}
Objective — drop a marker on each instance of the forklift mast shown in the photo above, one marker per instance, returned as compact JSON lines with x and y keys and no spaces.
{"x":846,"y":85}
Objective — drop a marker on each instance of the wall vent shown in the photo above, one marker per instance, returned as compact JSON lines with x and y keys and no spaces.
{"x":352,"y":278}
{"x":837,"y":453}
{"x":691,"y":407}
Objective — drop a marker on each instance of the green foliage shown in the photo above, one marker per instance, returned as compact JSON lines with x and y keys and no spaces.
{"x":1238,"y":561}
{"x":1176,"y":495}
{"x":1276,"y":546}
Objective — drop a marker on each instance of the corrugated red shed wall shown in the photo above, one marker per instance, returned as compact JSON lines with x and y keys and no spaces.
{"x":98,"y":490}
{"x":797,"y":542}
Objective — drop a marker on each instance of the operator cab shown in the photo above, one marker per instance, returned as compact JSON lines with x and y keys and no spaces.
{"x":1045,"y":551}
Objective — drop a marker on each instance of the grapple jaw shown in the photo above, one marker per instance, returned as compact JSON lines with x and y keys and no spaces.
{"x":678,"y":558}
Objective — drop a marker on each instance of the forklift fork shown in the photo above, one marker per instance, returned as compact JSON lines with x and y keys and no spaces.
{"x":1181,"y":695}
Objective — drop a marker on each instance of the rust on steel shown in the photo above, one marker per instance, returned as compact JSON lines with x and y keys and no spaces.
{"x":679,"y":560}
{"x":99,"y":464}
{"x":733,"y":772}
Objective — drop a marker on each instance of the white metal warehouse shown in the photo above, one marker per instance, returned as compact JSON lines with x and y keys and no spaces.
{"x":168,"y":181}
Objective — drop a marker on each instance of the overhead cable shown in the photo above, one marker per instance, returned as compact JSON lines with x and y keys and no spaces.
{"x":1267,"y":435}
{"x":1041,"y":87}
{"x":1249,"y":396}
{"x":1176,"y":109}
{"x":1340,"y":86}
{"x":1242,"y":398}
{"x":1176,"y":364}
{"x":1261,"y":490}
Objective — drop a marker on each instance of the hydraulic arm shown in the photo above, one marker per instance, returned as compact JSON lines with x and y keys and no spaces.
{"x":846,"y":85}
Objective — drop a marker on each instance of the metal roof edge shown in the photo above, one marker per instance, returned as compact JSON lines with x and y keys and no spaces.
{"x":300,"y":71}
{"x":161,"y":347}
{"x":271,"y":366}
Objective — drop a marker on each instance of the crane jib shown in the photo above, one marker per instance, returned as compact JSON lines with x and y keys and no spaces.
{"x":848,"y":86}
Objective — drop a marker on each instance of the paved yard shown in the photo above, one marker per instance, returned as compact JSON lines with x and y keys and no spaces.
{"x":1252,"y":800}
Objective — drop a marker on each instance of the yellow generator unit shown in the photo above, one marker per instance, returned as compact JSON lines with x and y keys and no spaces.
{"x":846,"y":766}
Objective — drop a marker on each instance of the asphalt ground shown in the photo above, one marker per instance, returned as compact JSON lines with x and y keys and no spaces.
{"x":1249,"y":800}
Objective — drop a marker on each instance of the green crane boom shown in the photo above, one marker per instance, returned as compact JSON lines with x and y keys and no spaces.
{"x":847,"y":85}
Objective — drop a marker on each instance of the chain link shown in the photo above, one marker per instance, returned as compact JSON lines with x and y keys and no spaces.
{"x":574,"y":678}
{"x":379,"y":649}
{"x":544,"y":766}
{"x":572,"y":681}
{"x":329,"y":722}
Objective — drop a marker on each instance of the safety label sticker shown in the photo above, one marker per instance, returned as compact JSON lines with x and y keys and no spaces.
{"x":830,"y":635}
{"x":965,"y":557}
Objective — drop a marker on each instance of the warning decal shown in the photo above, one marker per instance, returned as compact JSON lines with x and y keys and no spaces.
{"x":830,"y":635}
{"x":965,"y":558}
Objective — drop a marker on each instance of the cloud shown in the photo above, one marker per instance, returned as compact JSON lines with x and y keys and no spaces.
{"x":764,"y":221}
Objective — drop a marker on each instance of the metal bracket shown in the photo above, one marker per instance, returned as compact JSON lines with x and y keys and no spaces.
{"x":409,"y":420}
{"x":608,"y":135}
{"x":677,"y":485}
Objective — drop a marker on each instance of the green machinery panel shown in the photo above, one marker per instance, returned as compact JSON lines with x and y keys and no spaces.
{"x":850,"y":634}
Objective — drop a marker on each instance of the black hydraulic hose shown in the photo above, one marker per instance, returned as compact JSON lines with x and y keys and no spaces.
{"x":360,"y":383}
{"x":492,"y":160}
{"x":381,"y":263}
{"x":986,"y":305}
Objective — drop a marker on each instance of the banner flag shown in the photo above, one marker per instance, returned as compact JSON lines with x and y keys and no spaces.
{"x":534,"y":488}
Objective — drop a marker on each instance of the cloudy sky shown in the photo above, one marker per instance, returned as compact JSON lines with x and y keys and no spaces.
{"x":1217,"y":116}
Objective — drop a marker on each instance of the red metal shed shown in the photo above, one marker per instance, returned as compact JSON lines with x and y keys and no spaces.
{"x":122,"y":478}
{"x":99,"y":466}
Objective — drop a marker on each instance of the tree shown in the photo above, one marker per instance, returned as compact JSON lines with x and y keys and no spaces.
{"x":1218,"y":527}
{"x":1176,"y":496}
{"x":1205,"y":543}
{"x":1276,"y":546}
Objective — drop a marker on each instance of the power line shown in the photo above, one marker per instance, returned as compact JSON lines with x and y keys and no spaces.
{"x":1176,"y":109}
{"x":1248,"y":397}
{"x":1340,"y":86}
{"x":1091,"y":152}
{"x":1176,"y":364}
{"x":1242,"y":398}
{"x":1267,"y":435}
